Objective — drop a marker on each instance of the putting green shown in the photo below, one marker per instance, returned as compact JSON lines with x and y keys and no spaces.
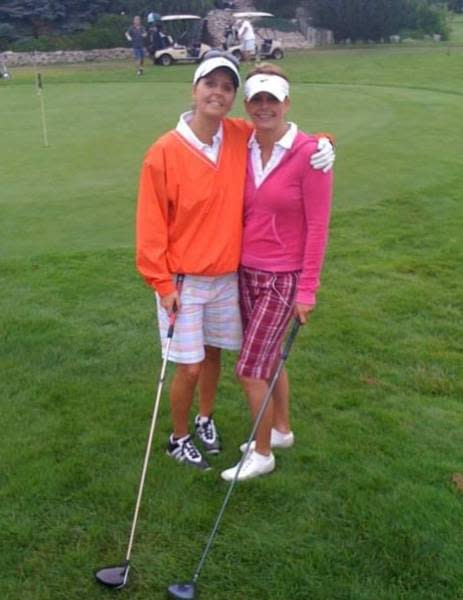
{"x":79,"y":193}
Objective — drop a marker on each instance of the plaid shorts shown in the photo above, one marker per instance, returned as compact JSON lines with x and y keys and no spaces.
{"x":209,"y":316}
{"x":267,"y":301}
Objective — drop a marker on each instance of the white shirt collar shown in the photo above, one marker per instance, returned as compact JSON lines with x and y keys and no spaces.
{"x":286,"y":142}
{"x":185,"y":130}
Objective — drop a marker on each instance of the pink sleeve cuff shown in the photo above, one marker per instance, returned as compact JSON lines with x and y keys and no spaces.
{"x":306,"y":298}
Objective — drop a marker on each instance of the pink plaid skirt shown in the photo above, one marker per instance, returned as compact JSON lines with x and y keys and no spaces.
{"x":267,"y":302}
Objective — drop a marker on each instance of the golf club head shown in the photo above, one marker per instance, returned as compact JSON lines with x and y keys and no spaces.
{"x":182,"y":591}
{"x":113,"y":577}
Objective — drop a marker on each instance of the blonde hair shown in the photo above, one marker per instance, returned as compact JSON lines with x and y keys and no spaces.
{"x":267,"y":69}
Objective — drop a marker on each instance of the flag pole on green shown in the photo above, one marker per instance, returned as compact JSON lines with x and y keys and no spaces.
{"x":39,"y":88}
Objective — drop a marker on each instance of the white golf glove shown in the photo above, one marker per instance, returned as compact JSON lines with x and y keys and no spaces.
{"x":325,"y":157}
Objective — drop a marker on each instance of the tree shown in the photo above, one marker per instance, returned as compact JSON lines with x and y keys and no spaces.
{"x":456,"y":5}
{"x":7,"y":35}
{"x":163,"y":7}
{"x":285,"y":10}
{"x":42,"y":16}
{"x":362,"y":20}
{"x":37,"y":15}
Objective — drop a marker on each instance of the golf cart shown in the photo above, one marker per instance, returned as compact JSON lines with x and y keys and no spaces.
{"x":4,"y":73}
{"x":269,"y":47}
{"x":182,"y":34}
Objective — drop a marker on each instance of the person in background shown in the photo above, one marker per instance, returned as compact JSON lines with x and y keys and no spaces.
{"x":155,"y":40}
{"x":153,"y":17}
{"x":225,"y":5}
{"x":136,"y":35}
{"x":248,"y":39}
{"x":189,"y":221}
{"x":230,"y":36}
{"x":286,"y":216}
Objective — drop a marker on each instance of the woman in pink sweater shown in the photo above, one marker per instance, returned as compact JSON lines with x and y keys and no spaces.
{"x":286,"y":215}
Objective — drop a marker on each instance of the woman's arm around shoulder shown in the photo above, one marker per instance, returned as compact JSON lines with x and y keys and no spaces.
{"x":245,"y":126}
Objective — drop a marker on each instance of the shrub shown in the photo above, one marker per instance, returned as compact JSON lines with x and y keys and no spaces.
{"x":431,"y":20}
{"x":285,"y":9}
{"x":44,"y":43}
{"x":107,"y":32}
{"x":7,"y":35}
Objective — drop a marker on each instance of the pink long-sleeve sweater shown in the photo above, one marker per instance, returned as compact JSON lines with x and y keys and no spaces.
{"x":286,"y":219}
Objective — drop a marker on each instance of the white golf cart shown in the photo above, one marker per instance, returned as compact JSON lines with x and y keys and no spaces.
{"x":4,"y":73}
{"x":182,"y":35}
{"x":269,"y":47}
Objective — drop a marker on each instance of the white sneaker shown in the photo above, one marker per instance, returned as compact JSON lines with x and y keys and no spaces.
{"x":254,"y":465}
{"x":277,"y":440}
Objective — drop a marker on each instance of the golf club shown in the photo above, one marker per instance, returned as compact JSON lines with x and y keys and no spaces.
{"x":187,"y":590}
{"x":116,"y":576}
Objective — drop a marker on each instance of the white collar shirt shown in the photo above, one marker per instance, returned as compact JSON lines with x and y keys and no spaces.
{"x":279,"y":150}
{"x":246,"y":32}
{"x":210,"y":151}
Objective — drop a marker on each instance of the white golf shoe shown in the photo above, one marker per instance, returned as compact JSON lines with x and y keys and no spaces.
{"x":255,"y":464}
{"x":277,"y":440}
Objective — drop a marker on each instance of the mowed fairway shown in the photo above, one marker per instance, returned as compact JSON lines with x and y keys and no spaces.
{"x":363,"y":507}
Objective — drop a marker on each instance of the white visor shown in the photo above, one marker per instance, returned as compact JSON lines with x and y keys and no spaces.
{"x":210,"y":64}
{"x":272,"y":84}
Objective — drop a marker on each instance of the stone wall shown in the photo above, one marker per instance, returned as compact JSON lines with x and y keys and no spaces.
{"x":217,"y":21}
{"x":16,"y":59}
{"x":319,"y":37}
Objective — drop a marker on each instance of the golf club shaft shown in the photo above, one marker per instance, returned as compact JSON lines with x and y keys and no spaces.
{"x":148,"y":450}
{"x":170,"y":334}
{"x":262,"y":408}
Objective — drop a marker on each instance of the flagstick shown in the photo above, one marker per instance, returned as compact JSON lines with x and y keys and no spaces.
{"x":39,"y":87}
{"x":42,"y":109}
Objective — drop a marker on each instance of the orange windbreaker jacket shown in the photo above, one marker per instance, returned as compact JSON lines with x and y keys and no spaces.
{"x":190,"y":210}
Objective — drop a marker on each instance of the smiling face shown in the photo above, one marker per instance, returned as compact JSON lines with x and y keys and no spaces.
{"x":267,"y":112}
{"x":214,"y":94}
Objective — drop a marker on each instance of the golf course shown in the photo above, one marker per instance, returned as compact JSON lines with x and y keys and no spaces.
{"x":368,"y":504}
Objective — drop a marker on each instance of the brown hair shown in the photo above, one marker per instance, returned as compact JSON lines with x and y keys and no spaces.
{"x":267,"y":69}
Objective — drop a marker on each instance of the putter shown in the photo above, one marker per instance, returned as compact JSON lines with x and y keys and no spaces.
{"x":115,"y":576}
{"x":188,"y":590}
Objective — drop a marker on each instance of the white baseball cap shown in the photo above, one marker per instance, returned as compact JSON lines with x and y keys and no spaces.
{"x":210,"y":64}
{"x":263,"y":82}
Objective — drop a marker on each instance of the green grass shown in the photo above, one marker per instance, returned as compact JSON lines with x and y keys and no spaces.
{"x":457,"y":28}
{"x":362,"y":507}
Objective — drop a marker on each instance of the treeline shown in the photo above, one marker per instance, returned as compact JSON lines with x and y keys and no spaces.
{"x":363,"y":20}
{"x":67,"y":24}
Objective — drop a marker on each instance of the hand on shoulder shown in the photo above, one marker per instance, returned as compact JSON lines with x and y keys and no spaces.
{"x":325,"y":156}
